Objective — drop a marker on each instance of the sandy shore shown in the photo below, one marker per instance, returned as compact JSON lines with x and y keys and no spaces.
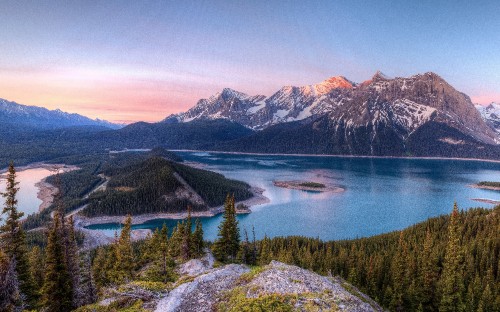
{"x":487,"y":201}
{"x":298,"y":185}
{"x":337,"y":156}
{"x":47,"y":191}
{"x":485,"y":187}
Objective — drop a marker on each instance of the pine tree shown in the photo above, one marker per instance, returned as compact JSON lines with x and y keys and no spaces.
{"x":72,"y":260}
{"x":10,"y":297}
{"x":124,"y":264}
{"x":227,"y":245}
{"x":197,"y":240}
{"x":451,"y":279}
{"x":429,"y":274}
{"x":37,"y":264}
{"x":57,"y":292}
{"x":88,"y":292}
{"x":175,"y":241}
{"x":245,"y":249}
{"x":164,"y":256}
{"x":186,"y":246}
{"x":399,"y":274}
{"x":100,"y":270}
{"x":13,"y":238}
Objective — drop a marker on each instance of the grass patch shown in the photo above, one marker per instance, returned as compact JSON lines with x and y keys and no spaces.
{"x":249,"y":276}
{"x":236,"y":300}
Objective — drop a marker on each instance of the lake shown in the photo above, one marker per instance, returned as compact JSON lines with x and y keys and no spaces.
{"x":381,"y":194}
{"x":27,"y":195}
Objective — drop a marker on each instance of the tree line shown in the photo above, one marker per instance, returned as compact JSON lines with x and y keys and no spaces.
{"x":447,"y":263}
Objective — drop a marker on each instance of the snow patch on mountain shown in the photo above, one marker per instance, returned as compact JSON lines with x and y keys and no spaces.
{"x":491,"y":115}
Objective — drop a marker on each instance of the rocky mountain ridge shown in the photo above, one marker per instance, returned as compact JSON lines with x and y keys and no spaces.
{"x":399,"y":105}
{"x":491,"y":114}
{"x":40,"y":117}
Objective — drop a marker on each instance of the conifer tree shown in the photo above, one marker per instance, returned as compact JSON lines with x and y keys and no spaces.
{"x":99,"y":267}
{"x":37,"y":264}
{"x":175,"y":240}
{"x":429,"y":274}
{"x":451,"y":278}
{"x":10,"y":297}
{"x":57,"y":292}
{"x":12,"y":237}
{"x":245,"y":249}
{"x":186,"y":245}
{"x":164,"y":258}
{"x":198,"y":243}
{"x":72,"y":260}
{"x":87,"y":292}
{"x":399,"y":274}
{"x":227,"y":245}
{"x":124,"y":256}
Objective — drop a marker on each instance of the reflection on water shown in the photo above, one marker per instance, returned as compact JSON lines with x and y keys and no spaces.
{"x":381,"y":194}
{"x":27,"y":195}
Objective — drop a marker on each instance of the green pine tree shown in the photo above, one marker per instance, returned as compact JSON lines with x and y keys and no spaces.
{"x":57,"y":292}
{"x":124,"y":264}
{"x":13,"y":237}
{"x":227,"y":245}
{"x":197,"y":239}
{"x":186,"y":246}
{"x":452,"y":285}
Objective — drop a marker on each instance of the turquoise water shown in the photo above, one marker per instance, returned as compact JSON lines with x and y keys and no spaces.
{"x":381,"y":195}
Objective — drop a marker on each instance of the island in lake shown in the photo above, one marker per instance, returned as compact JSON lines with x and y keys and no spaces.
{"x":308,"y":186}
{"x":487,"y":185}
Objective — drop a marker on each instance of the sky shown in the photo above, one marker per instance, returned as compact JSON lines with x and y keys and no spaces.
{"x":126,"y":61}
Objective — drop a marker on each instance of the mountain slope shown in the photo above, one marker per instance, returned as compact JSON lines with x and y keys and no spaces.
{"x":257,"y":112}
{"x":42,"y":118}
{"x":491,"y":115}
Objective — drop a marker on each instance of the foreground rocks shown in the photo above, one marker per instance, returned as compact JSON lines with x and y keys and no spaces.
{"x":232,"y":285}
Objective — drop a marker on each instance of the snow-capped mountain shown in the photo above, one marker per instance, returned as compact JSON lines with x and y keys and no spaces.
{"x":257,"y":112}
{"x":396,"y":105}
{"x":491,"y":115}
{"x":39,"y":117}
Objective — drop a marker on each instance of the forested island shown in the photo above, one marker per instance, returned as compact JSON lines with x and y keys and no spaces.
{"x":437,"y":265}
{"x":308,"y":186}
{"x":488,"y":185}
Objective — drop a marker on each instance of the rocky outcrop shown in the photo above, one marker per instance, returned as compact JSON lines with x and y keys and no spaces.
{"x":202,"y":293}
{"x":298,"y":288}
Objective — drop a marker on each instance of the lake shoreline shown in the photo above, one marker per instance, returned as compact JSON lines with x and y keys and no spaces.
{"x":257,"y":199}
{"x":485,"y":187}
{"x":338,"y":156}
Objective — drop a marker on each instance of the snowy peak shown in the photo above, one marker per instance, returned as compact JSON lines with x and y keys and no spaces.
{"x":40,"y":117}
{"x":402,"y":103}
{"x":331,"y":83}
{"x":491,"y":115}
{"x":380,"y":76}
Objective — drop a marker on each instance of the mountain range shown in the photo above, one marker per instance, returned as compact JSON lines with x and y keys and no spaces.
{"x":380,"y":116}
{"x":14,"y":114}
{"x":421,"y":116}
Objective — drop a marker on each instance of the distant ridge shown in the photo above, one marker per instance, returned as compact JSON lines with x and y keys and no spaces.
{"x":393,"y":107}
{"x":39,"y":117}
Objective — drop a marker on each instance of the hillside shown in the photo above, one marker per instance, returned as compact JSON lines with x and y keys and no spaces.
{"x":158,"y":185}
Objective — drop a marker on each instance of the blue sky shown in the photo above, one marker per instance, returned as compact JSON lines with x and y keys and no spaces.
{"x":142,"y":60}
